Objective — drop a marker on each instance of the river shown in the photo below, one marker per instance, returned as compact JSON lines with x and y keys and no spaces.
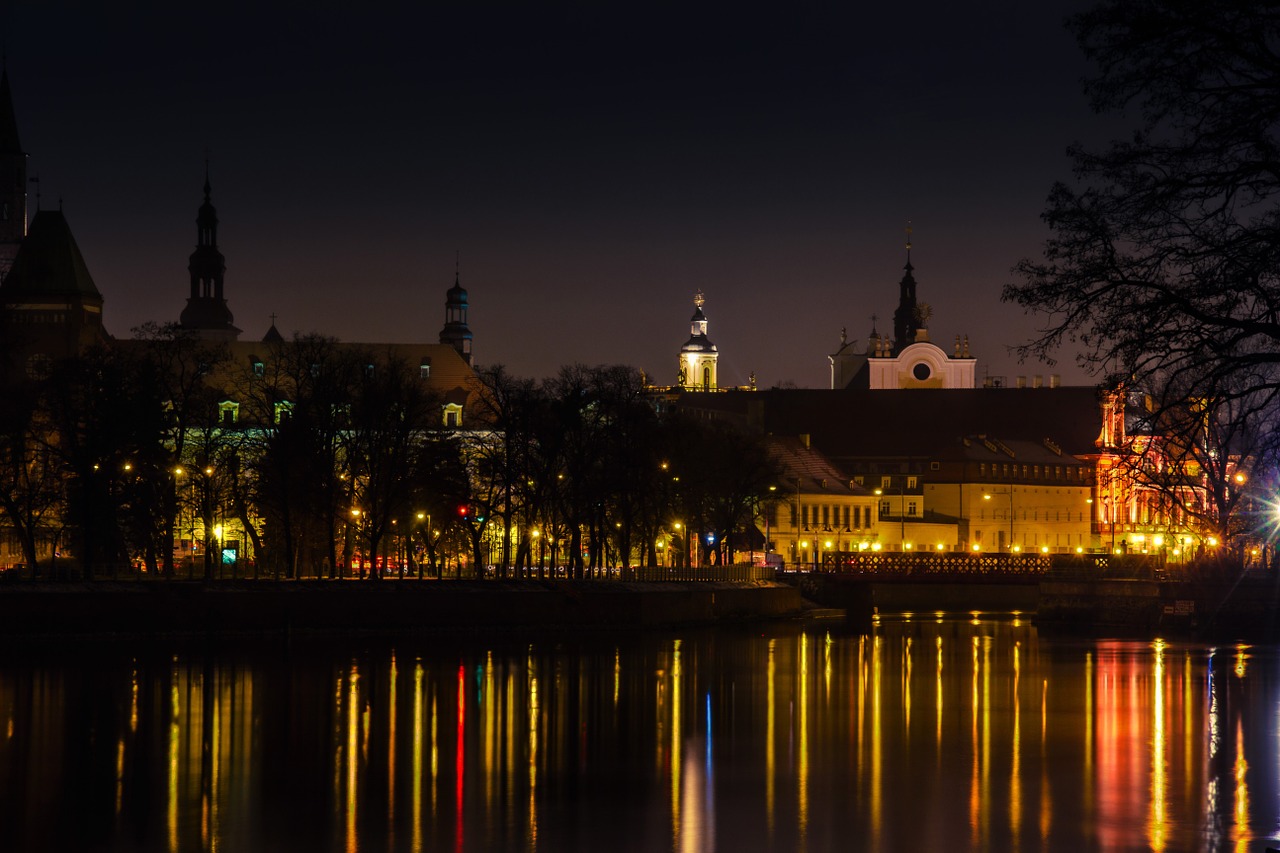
{"x":936,"y":733}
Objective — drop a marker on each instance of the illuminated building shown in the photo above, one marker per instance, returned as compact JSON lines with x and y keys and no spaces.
{"x":698,"y":356}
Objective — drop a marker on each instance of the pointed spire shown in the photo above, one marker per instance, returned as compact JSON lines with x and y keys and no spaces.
{"x":908,"y":266}
{"x":207,"y":187}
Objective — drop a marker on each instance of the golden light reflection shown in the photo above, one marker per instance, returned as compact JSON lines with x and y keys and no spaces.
{"x":939,"y":692}
{"x":975,"y":803}
{"x":1157,"y":807}
{"x":906,"y":684}
{"x":675,"y":745}
{"x":1015,"y":763}
{"x":770,"y":732}
{"x":490,"y":732}
{"x":534,"y":718}
{"x":391,"y":745}
{"x":802,"y":769}
{"x":416,"y":787}
{"x":353,"y":750}
{"x":175,"y":735}
{"x":1240,"y":828}
{"x":877,"y":735}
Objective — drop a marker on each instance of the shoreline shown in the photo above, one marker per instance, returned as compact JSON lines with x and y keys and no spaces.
{"x":37,"y":611}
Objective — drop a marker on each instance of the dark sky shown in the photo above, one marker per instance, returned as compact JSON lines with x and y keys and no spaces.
{"x":594,"y":164}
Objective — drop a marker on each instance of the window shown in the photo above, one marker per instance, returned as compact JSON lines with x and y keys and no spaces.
{"x":368,"y":371}
{"x":453,"y":415}
{"x":424,"y":369}
{"x":255,"y":364}
{"x":884,"y":507}
{"x":911,"y":507}
{"x":911,"y":483}
{"x":886,"y":482}
{"x":284,"y":411}
{"x":982,"y":469}
{"x":228,"y":413}
{"x":935,"y":466}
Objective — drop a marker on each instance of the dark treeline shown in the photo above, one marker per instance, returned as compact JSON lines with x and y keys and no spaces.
{"x":325,"y":457}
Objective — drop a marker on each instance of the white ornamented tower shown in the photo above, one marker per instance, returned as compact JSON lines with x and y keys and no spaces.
{"x":698,"y":356}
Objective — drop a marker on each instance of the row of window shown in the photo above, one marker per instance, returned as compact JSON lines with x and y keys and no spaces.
{"x":1033,"y":472}
{"x":831,"y":515}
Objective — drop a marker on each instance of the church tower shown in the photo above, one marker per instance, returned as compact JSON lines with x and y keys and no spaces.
{"x":455,"y":332}
{"x":698,"y":356}
{"x":906,"y":319}
{"x":13,"y":181}
{"x":207,"y":314}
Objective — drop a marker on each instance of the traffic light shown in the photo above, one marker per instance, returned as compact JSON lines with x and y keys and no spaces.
{"x":463,"y":511}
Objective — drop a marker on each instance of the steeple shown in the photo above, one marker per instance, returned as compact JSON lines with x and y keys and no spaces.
{"x":455,"y":332}
{"x":13,"y":181}
{"x":207,"y":314}
{"x":698,"y":356}
{"x":906,"y":320}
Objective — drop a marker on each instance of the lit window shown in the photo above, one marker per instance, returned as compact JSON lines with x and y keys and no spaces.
{"x":228,"y":413}
{"x":424,"y":369}
{"x":284,"y":411}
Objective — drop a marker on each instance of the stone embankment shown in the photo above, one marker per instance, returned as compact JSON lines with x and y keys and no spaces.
{"x":193,"y":608}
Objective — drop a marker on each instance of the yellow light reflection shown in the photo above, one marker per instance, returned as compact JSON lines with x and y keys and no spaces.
{"x":353,"y":747}
{"x":534,"y":716}
{"x":675,"y":744}
{"x":1158,"y":805}
{"x":770,"y":724}
{"x":416,"y":790}
{"x":391,"y":746}
{"x":1240,"y":828}
{"x":1015,"y":764}
{"x":802,"y":770}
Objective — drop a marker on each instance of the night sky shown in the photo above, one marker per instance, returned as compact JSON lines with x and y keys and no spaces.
{"x":593,"y":164}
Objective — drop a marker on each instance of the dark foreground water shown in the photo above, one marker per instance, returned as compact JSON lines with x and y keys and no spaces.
{"x":926,"y":734}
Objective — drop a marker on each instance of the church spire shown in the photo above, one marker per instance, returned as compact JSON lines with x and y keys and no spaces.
{"x":207,"y":313}
{"x":906,"y":319}
{"x":456,"y":333}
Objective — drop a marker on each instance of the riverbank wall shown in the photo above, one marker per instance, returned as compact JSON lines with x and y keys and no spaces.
{"x":104,"y":609}
{"x":1243,"y":610}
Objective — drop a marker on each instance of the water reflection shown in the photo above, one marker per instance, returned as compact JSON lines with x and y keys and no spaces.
{"x":969,"y":733}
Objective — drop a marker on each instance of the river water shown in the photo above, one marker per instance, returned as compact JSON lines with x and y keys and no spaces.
{"x":938,"y":733}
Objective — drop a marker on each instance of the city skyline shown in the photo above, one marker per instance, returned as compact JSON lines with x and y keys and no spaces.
{"x":592,"y":170}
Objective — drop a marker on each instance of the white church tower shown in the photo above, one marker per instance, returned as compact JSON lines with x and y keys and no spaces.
{"x":698,"y":356}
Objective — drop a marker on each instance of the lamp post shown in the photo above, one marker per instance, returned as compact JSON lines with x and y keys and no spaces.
{"x":987,"y":497}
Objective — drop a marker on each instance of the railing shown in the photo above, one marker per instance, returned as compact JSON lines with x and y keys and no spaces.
{"x":934,"y":565}
{"x":739,"y":573}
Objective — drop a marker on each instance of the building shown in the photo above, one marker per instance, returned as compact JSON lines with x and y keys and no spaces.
{"x":815,"y":508}
{"x":907,"y":360}
{"x":698,"y":356}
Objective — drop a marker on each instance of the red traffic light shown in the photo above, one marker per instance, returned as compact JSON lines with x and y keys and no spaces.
{"x":464,"y":511}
